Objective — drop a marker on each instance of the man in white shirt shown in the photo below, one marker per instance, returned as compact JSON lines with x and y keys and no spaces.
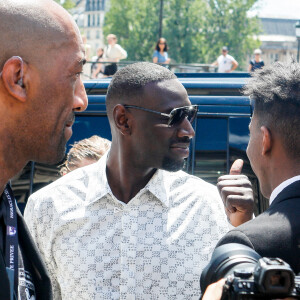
{"x":225,"y":62}
{"x":133,"y":226}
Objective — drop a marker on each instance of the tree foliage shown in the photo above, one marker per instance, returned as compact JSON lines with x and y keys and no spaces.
{"x":195,"y":30}
{"x":67,"y":4}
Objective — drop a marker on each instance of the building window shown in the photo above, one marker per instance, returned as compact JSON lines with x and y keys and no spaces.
{"x":94,"y":20}
{"x":89,"y":20}
{"x":98,"y":4}
{"x":102,"y":4}
{"x":98,"y":19}
{"x":88,"y":35}
{"x":97,"y":34}
{"x":87,"y":5}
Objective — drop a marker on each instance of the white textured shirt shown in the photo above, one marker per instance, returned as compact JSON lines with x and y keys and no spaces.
{"x":154,"y":247}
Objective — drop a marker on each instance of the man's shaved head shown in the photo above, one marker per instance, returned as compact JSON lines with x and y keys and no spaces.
{"x":41,"y":58}
{"x":26,"y":25}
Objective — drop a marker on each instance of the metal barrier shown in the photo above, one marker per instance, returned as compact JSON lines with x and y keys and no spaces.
{"x":174,"y":67}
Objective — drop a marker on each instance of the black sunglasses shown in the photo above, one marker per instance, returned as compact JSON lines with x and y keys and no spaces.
{"x":176,"y":115}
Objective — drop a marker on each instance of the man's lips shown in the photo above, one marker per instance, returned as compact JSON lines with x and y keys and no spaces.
{"x":70,"y":122}
{"x":181,"y":145}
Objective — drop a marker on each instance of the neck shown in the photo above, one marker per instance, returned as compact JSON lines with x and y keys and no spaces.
{"x":124,"y":177}
{"x":282,"y":170}
{"x":11,"y":161}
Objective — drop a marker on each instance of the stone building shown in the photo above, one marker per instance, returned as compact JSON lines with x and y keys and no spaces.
{"x":89,"y":15}
{"x":278,"y":39}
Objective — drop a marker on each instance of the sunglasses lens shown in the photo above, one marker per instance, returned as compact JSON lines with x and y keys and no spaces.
{"x":178,"y":114}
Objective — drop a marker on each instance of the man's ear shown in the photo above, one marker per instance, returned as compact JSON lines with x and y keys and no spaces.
{"x":267,"y":142}
{"x":12,"y":76}
{"x":120,"y":115}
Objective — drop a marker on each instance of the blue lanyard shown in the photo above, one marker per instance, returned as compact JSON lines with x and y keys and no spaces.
{"x":11,"y":243}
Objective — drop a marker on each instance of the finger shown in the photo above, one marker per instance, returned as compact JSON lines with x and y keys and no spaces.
{"x":231,"y":177}
{"x":239,"y":203}
{"x":236,"y":191}
{"x":242,"y":183}
{"x":236,"y":167}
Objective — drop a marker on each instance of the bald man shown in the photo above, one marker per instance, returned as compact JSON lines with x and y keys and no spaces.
{"x":41,"y":58}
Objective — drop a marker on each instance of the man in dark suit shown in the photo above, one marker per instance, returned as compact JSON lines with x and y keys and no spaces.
{"x":274,"y":154}
{"x":41,"y":57}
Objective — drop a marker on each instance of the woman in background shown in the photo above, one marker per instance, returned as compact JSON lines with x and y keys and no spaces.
{"x":257,"y":62}
{"x":160,"y":55}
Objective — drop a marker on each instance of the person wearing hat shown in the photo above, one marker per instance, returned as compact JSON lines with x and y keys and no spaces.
{"x":257,"y":62}
{"x":225,"y":62}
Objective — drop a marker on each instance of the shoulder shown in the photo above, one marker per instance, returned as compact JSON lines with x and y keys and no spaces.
{"x":155,"y":53}
{"x":67,"y":191}
{"x":119,"y":47}
{"x":230,"y":57}
{"x":183,"y":186}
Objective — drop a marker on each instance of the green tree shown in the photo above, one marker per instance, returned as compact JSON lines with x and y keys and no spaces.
{"x":183,"y":29}
{"x":227,"y":24}
{"x":67,"y":4}
{"x":195,"y":30}
{"x":135,"y":22}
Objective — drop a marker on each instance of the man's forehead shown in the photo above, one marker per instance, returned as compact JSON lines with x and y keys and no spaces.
{"x":165,"y":95}
{"x":171,"y":86}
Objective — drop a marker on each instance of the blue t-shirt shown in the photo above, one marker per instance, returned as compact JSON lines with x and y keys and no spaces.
{"x":160,"y":58}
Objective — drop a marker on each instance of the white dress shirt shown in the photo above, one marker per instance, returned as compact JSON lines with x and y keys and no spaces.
{"x":154,"y":247}
{"x":282,"y":186}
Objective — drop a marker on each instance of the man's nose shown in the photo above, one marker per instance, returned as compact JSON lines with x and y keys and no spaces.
{"x":80,"y":97}
{"x":186,"y":129}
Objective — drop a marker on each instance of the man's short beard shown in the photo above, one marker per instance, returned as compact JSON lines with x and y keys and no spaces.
{"x":172,"y":165}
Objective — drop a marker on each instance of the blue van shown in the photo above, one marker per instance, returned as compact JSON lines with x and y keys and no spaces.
{"x":221,"y":131}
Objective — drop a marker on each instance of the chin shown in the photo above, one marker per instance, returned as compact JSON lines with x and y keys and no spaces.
{"x":172,"y":165}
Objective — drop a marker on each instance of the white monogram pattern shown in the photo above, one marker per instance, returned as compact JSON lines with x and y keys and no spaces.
{"x":154,"y":247}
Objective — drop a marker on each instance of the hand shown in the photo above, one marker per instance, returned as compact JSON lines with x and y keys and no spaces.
{"x":237,"y":195}
{"x":214,"y":291}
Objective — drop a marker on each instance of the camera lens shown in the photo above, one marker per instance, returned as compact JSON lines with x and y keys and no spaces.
{"x":225,"y":259}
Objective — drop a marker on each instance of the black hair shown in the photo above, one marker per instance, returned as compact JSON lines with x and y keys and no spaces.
{"x":128,"y":83}
{"x":157,"y":45}
{"x":275,"y":91}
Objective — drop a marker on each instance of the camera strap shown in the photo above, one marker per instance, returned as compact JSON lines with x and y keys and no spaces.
{"x":11,"y":243}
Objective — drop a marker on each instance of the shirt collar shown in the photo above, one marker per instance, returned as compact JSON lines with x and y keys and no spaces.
{"x":159,"y":186}
{"x":282,"y":186}
{"x":98,"y":185}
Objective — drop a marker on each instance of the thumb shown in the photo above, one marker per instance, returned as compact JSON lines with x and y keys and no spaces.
{"x":236,"y":168}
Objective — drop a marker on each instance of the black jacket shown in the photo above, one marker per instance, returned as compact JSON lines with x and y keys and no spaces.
{"x":36,"y":265}
{"x":276,"y":232}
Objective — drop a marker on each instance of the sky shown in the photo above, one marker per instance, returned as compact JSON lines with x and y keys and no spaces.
{"x":289,"y":9}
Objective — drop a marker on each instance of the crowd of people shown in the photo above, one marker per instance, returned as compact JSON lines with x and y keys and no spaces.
{"x":132,"y":225}
{"x":225,"y":63}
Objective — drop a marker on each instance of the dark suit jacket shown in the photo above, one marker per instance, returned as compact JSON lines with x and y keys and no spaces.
{"x":276,"y":232}
{"x":36,"y":265}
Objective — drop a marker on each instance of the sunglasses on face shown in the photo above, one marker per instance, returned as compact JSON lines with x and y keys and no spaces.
{"x":176,"y":115}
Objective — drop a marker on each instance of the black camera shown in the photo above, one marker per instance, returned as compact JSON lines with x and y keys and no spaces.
{"x":249,"y":276}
